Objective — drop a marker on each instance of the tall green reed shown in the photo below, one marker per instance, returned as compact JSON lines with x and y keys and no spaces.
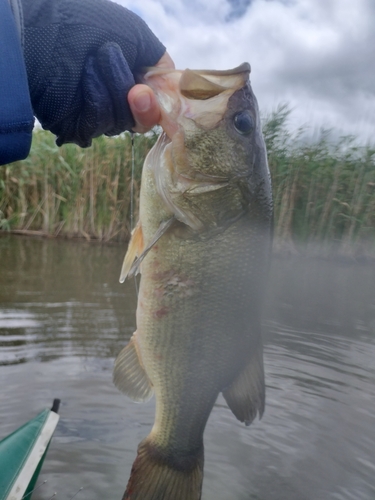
{"x":324,"y":189}
{"x":72,"y":191}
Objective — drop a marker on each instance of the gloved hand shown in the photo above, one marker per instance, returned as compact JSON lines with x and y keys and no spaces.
{"x":82,"y":58}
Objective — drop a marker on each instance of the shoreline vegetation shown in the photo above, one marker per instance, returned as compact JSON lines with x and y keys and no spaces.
{"x":324,"y":189}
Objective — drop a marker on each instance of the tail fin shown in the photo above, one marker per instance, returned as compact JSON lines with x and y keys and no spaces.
{"x":157,"y":475}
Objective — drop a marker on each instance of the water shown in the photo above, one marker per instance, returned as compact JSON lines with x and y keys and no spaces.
{"x":64,"y":317}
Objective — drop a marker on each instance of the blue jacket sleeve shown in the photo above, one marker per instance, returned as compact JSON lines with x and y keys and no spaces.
{"x":16,"y":115}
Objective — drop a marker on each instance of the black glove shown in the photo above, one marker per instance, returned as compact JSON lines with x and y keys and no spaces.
{"x":82,"y":57}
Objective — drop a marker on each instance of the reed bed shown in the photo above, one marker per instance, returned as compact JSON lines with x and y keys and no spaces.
{"x":74,"y":192}
{"x":324,"y":190}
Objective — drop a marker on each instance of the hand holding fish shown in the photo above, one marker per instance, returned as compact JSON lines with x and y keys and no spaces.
{"x":82,"y":59}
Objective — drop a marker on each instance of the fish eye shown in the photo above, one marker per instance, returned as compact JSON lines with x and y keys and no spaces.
{"x":244,"y":122}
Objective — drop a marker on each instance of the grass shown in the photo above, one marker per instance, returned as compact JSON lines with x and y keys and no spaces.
{"x":324,"y":190}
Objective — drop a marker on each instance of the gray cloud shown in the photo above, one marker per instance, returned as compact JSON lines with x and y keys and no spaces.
{"x":238,"y":9}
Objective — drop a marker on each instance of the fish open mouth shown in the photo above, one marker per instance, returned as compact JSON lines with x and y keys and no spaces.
{"x":197,"y":95}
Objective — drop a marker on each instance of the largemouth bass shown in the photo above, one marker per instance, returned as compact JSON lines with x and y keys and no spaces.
{"x":202,"y":245}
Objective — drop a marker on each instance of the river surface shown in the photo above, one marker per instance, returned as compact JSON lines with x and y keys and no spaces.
{"x":64,"y":317}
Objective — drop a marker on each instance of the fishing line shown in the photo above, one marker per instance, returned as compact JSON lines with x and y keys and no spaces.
{"x":132,"y":184}
{"x":132,"y":199}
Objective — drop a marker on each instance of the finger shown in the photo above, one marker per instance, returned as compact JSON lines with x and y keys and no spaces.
{"x":144,"y":107}
{"x":143,"y":103}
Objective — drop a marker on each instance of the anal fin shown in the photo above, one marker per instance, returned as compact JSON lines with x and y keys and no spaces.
{"x":129,"y":376}
{"x":246,"y":395}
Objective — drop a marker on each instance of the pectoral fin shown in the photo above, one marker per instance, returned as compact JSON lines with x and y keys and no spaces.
{"x":135,"y":248}
{"x":129,"y":376}
{"x":246,"y":395}
{"x":162,"y":229}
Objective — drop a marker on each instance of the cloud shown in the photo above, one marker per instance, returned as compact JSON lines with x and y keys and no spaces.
{"x":238,"y":9}
{"x":315,"y":54}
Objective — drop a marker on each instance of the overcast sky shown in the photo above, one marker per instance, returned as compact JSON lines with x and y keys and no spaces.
{"x":317,"y":55}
